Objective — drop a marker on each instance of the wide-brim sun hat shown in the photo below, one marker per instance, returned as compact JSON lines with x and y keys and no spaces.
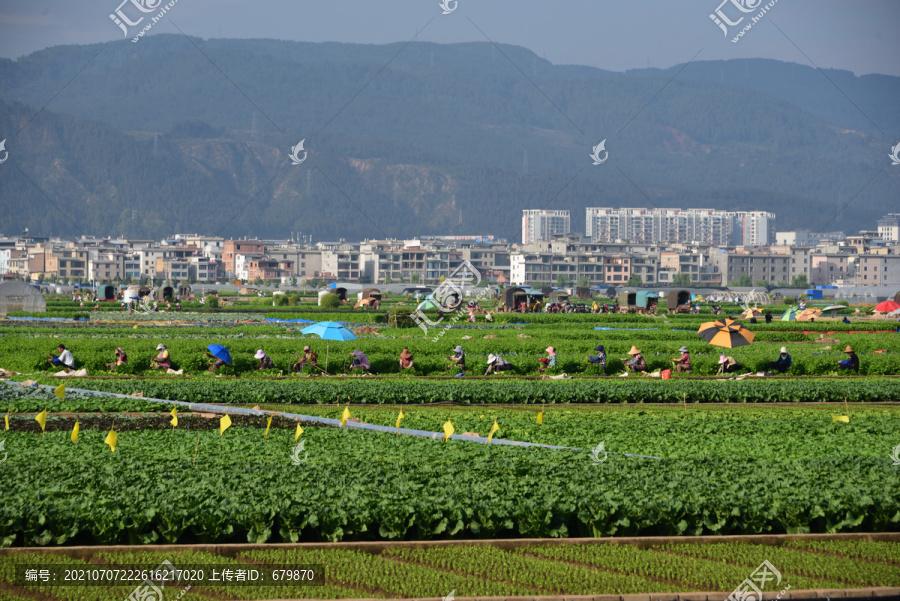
{"x":848,"y":349}
{"x":683,"y":349}
{"x":259,"y":354}
{"x":784,"y":350}
{"x":722,"y":359}
{"x":305,"y":348}
{"x":634,"y":350}
{"x":160,"y":347}
{"x":491,"y":359}
{"x":458,"y":349}
{"x":405,"y":354}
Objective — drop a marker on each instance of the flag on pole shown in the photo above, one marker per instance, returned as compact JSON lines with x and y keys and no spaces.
{"x":60,"y":391}
{"x":298,"y":432}
{"x":494,"y":428}
{"x":174,"y":420}
{"x":75,"y":433}
{"x":268,"y":425}
{"x":345,"y":416}
{"x":841,"y":418}
{"x":6,"y":419}
{"x":448,"y":430}
{"x":224,"y":424}
{"x":540,"y":418}
{"x":399,"y":417}
{"x":111,"y":439}
{"x":42,"y":419}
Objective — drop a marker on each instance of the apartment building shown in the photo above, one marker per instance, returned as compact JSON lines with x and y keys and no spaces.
{"x":759,"y":266}
{"x":889,"y":227}
{"x":266,"y":268}
{"x":343,"y":263}
{"x":670,"y":226}
{"x":877,"y":270}
{"x":232,"y":248}
{"x":825,"y":268}
{"x":543,"y":225}
{"x":106,"y":267}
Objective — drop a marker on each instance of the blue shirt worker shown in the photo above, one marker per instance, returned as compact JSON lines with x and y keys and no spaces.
{"x":783,"y":363}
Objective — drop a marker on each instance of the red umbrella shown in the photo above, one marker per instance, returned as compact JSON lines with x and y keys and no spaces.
{"x":887,"y":306}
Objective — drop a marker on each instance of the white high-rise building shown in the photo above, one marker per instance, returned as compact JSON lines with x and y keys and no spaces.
{"x":542,"y":225}
{"x":654,"y":226}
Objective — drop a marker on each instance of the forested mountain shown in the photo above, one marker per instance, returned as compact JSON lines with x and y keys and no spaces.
{"x":176,"y":134}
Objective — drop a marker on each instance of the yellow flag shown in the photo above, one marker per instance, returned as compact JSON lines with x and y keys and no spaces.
{"x":111,"y":439}
{"x":540,"y":418}
{"x":399,"y":417}
{"x":224,"y":424}
{"x":494,"y":428}
{"x":6,"y":419}
{"x":60,"y":391}
{"x":345,"y":416}
{"x":174,"y":420}
{"x":268,"y":425}
{"x":42,"y":419}
{"x":840,"y":418}
{"x":75,"y":433}
{"x":448,"y":430}
{"x":135,"y":326}
{"x":298,"y":432}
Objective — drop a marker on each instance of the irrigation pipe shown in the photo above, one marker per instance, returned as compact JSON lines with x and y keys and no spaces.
{"x":326,"y":421}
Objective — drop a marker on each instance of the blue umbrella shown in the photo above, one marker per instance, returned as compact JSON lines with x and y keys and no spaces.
{"x":220,"y":352}
{"x":329,"y":330}
{"x":789,"y":315}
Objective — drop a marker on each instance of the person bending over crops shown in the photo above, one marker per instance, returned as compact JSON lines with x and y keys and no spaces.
{"x":162,"y":360}
{"x":215,"y":364}
{"x":458,"y":359}
{"x":497,"y":364}
{"x":64,"y":359}
{"x":121,"y":359}
{"x":683,"y":363}
{"x":549,"y":361}
{"x":406,"y":359}
{"x":637,"y":364}
{"x":851,"y":362}
{"x":308,"y":358}
{"x":783,"y":363}
{"x":265,"y":362}
{"x":360,"y":361}
{"x":600,"y":359}
{"x":728,"y":365}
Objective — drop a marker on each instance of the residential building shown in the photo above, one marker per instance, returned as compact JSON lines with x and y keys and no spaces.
{"x":265,"y":268}
{"x":654,"y":226}
{"x":759,"y":266}
{"x":825,"y":268}
{"x":232,"y":248}
{"x":878,"y":270}
{"x":889,"y":227}
{"x":543,"y":225}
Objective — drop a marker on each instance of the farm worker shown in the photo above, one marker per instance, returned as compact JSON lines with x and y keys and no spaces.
{"x":471,"y":314}
{"x":683,"y":363}
{"x":406,"y":359}
{"x":600,"y":359}
{"x":851,"y":362}
{"x":727,"y":365}
{"x":163,"y":360}
{"x":265,"y":362}
{"x":768,"y":317}
{"x":783,"y":363}
{"x":65,"y":358}
{"x":121,"y":359}
{"x":178,"y":306}
{"x":497,"y":364}
{"x":216,"y":364}
{"x":488,"y":317}
{"x":458,"y":358}
{"x":549,"y":361}
{"x":309,"y":358}
{"x":360,"y":361}
{"x":594,"y":307}
{"x":636,"y":364}
{"x":845,"y":320}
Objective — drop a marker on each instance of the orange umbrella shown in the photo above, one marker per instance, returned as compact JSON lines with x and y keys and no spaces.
{"x":807,"y":314}
{"x":751,"y":312}
{"x":726,"y":333}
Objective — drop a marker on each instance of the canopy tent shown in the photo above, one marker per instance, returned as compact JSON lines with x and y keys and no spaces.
{"x":677,"y":297}
{"x":372,"y":293}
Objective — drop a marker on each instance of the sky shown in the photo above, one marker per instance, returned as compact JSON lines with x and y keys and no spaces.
{"x":860,"y":36}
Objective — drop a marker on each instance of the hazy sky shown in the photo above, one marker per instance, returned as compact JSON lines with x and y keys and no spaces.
{"x":861,"y":36}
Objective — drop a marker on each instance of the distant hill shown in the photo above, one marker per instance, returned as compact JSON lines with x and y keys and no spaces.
{"x":151,"y":138}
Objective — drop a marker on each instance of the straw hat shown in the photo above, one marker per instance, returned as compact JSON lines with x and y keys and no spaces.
{"x":848,"y":349}
{"x":458,"y":349}
{"x":634,"y":350}
{"x":550,"y":350}
{"x":491,"y":359}
{"x":160,"y":347}
{"x":405,"y":354}
{"x":259,"y":354}
{"x":683,"y":349}
{"x":784,"y":350}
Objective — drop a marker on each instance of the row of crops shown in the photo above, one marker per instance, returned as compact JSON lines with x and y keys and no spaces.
{"x":482,"y":570}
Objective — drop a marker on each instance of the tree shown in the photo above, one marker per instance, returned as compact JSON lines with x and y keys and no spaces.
{"x":800,"y":281}
{"x":314,"y":283}
{"x":761,"y":284}
{"x":635,"y":280}
{"x":744,"y":281}
{"x":330,"y":301}
{"x":681,"y":279}
{"x":561,"y":281}
{"x":387,"y":280}
{"x":584,"y":282}
{"x":414,"y":278}
{"x":294,"y":281}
